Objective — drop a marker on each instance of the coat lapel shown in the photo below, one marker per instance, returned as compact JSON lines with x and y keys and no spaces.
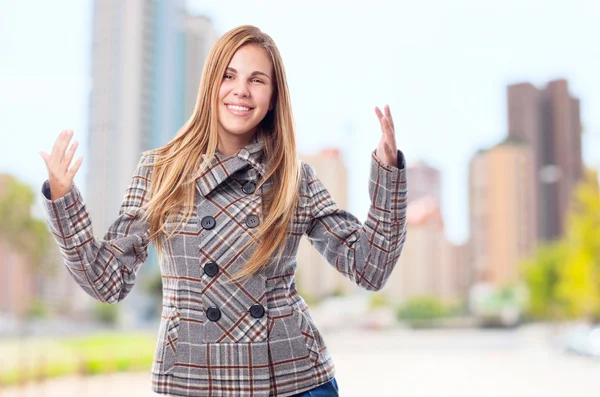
{"x":222,"y":167}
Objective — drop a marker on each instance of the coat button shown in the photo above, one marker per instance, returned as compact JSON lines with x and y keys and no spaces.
{"x":252,"y":221}
{"x":257,"y":311}
{"x":249,"y":187}
{"x":211,"y":269}
{"x":213,"y":313}
{"x":208,"y":222}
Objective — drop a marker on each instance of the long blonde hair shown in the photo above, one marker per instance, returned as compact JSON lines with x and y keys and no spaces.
{"x":179,"y":162}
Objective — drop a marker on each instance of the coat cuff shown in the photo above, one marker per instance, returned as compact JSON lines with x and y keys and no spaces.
{"x":388,"y":190}
{"x":60,"y":211}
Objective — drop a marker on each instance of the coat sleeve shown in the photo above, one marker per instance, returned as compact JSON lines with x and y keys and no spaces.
{"x":364,"y":252}
{"x":105,"y":268}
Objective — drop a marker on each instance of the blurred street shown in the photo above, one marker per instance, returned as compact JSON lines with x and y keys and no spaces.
{"x":402,"y":362}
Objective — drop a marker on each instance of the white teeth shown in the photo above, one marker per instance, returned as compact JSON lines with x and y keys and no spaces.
{"x":238,"y":108}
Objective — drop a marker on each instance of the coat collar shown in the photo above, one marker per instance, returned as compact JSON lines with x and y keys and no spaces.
{"x":222,"y":167}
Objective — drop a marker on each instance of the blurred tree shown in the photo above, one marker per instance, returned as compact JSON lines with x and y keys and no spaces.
{"x":106,"y":314}
{"x":153,"y":286}
{"x":541,"y":273}
{"x":378,"y":300}
{"x":579,"y":284}
{"x":26,"y":235}
{"x":421,"y":310}
{"x":563,"y":277}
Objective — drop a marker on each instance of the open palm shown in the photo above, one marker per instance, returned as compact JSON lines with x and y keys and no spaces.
{"x":58,"y":162}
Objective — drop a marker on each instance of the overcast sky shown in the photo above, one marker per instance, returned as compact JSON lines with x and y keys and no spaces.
{"x":442,"y":66}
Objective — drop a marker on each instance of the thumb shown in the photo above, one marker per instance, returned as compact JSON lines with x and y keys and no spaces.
{"x":44,"y":156}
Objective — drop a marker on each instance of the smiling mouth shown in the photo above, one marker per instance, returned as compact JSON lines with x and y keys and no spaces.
{"x":238,"y":109}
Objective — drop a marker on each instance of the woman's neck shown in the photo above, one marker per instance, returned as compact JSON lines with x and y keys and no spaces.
{"x":230,"y":144}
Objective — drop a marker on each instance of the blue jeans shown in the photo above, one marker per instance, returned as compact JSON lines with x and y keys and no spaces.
{"x":329,"y":389}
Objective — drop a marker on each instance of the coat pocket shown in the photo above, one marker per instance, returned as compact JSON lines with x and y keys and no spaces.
{"x":168,"y":335}
{"x":311,"y":336}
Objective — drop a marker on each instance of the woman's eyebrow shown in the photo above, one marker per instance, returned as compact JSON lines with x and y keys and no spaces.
{"x":255,"y":73}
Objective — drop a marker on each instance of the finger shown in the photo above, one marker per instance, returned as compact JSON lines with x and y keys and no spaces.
{"x":388,"y":115}
{"x":61,"y":145}
{"x":75,"y":167}
{"x":389,"y":133}
{"x":387,"y":129}
{"x":55,"y":147}
{"x":70,"y":153}
{"x":378,"y":113}
{"x":45,"y":156}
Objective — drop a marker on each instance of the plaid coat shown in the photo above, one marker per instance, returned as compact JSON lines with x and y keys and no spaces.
{"x":216,"y":338}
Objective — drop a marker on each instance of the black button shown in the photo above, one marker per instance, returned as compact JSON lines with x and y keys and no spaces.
{"x":211,"y":269}
{"x":213,"y":314}
{"x":257,"y":311}
{"x":249,"y":187}
{"x":208,"y":222}
{"x":252,"y":221}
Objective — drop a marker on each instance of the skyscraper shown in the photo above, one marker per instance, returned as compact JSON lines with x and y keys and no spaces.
{"x":549,"y":120}
{"x":502,"y":219}
{"x":147,"y":58}
{"x":200,"y":36}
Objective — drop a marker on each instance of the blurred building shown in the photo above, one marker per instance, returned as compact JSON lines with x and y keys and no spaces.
{"x":17,"y":284}
{"x":549,"y":120}
{"x":424,"y":181}
{"x":418,"y":271}
{"x":23,"y":283}
{"x":147,"y":59}
{"x":200,"y":36}
{"x":315,"y":277}
{"x":456,"y":273}
{"x":429,"y":264}
{"x":502,"y":219}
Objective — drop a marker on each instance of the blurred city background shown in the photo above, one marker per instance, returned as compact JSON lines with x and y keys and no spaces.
{"x":496,"y":107}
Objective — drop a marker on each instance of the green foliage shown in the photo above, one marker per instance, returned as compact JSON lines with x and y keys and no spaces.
{"x":563,"y":277}
{"x":339,"y":291}
{"x":27,"y":235}
{"x":37,"y":309}
{"x":106,"y":313}
{"x":542,"y":274}
{"x":579,"y":285}
{"x":153,"y":285}
{"x":378,"y":300}
{"x":422,"y":308}
{"x":96,"y":354}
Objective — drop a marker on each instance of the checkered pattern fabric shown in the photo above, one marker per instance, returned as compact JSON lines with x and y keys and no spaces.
{"x":275,"y":349}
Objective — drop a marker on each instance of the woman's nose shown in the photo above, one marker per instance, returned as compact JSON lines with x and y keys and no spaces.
{"x":241,"y":90}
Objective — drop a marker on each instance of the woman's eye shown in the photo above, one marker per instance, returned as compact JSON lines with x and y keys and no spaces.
{"x":256,"y":81}
{"x":228,"y":76}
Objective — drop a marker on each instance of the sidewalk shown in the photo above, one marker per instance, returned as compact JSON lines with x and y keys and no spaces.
{"x":426,"y":363}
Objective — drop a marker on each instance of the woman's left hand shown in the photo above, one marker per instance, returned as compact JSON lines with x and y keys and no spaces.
{"x":387,"y":151}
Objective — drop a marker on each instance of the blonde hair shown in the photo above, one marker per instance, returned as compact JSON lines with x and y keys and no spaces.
{"x":179,"y":162}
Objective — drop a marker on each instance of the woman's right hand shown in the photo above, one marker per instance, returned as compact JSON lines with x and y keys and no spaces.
{"x":58,"y":162}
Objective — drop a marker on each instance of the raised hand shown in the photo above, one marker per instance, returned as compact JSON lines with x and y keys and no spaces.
{"x":60,"y":171}
{"x":386,"y":150}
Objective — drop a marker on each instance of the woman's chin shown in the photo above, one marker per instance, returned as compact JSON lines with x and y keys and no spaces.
{"x":239,"y":130}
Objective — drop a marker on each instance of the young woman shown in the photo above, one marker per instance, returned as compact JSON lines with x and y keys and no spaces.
{"x":225,"y":203}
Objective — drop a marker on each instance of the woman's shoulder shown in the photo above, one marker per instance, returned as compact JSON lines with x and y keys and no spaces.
{"x":146,"y":163}
{"x":149,"y":156}
{"x":308,"y":178}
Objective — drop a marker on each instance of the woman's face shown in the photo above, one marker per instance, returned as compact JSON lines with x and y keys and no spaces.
{"x":246,"y":91}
